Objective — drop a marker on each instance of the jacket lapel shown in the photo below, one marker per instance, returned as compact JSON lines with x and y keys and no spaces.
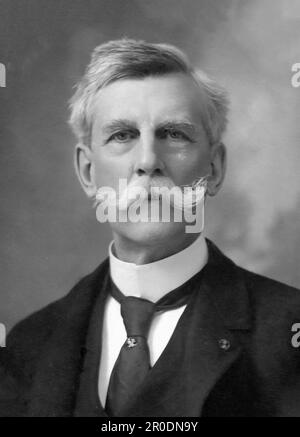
{"x":203,"y":346}
{"x":56,"y":380}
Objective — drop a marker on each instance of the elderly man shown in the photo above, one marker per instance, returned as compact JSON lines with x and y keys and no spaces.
{"x":167,"y":325}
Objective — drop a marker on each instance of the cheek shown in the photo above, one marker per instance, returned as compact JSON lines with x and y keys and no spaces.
{"x":108,"y":170}
{"x":185,"y":167}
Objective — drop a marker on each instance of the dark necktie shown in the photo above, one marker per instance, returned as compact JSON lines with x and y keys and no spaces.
{"x":133,"y":362}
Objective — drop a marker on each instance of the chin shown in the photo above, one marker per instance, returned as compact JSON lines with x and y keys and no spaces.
{"x":149,"y":233}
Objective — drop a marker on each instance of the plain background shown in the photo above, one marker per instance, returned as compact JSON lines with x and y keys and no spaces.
{"x":50,"y":237}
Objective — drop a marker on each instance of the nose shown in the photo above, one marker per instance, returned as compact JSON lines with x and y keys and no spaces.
{"x":148,"y":161}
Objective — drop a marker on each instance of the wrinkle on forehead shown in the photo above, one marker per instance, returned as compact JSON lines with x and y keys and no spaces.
{"x":152,"y":101}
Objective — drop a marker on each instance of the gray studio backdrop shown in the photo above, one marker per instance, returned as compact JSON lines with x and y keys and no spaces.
{"x":50,"y":237}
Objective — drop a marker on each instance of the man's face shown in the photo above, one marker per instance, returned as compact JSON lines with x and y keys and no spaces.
{"x":149,"y":127}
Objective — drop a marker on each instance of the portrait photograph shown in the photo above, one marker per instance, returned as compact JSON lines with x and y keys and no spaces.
{"x":150,"y":204}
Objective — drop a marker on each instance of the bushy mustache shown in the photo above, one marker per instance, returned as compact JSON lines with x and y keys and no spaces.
{"x":155,"y":189}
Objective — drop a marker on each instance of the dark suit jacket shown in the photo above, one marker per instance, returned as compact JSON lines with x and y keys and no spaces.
{"x":238,"y":358}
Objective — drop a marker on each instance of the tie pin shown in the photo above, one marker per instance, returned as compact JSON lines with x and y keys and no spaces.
{"x":131,"y":342}
{"x":224,"y":344}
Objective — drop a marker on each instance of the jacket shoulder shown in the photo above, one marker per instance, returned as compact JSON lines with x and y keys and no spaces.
{"x":29,"y":335}
{"x":267,"y":287}
{"x":273,"y":303}
{"x":261,"y":289}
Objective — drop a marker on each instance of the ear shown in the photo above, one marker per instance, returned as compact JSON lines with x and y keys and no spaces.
{"x":84,"y":169}
{"x":218,"y":168}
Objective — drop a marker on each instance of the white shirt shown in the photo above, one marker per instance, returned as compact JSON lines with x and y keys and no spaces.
{"x":150,"y":281}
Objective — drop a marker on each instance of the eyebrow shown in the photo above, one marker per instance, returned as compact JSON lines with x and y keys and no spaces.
{"x":114,"y":125}
{"x":176,"y":124}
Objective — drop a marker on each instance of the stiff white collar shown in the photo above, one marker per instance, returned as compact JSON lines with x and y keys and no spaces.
{"x":152,"y":281}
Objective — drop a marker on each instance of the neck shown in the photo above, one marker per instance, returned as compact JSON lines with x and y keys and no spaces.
{"x":139,"y":253}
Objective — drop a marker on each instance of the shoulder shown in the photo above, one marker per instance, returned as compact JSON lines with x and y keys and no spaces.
{"x":271,"y":303}
{"x":275,"y":313}
{"x":31,"y":338}
{"x":270,"y":294}
{"x":28,"y":336}
{"x":262,"y":290}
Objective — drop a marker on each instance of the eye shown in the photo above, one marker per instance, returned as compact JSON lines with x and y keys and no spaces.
{"x":175,"y":135}
{"x":122,"y":136}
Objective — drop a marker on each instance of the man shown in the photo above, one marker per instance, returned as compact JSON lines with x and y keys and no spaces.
{"x":167,"y":325}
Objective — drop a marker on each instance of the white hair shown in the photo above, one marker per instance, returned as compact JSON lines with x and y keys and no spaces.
{"x":128,"y":58}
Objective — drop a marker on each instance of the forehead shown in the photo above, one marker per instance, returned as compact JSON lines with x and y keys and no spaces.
{"x":149,"y":100}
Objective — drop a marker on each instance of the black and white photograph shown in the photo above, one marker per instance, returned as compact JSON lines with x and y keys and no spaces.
{"x":150,"y":204}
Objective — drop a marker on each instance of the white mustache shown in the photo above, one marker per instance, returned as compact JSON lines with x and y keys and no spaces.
{"x":143,"y":189}
{"x":154,"y":189}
